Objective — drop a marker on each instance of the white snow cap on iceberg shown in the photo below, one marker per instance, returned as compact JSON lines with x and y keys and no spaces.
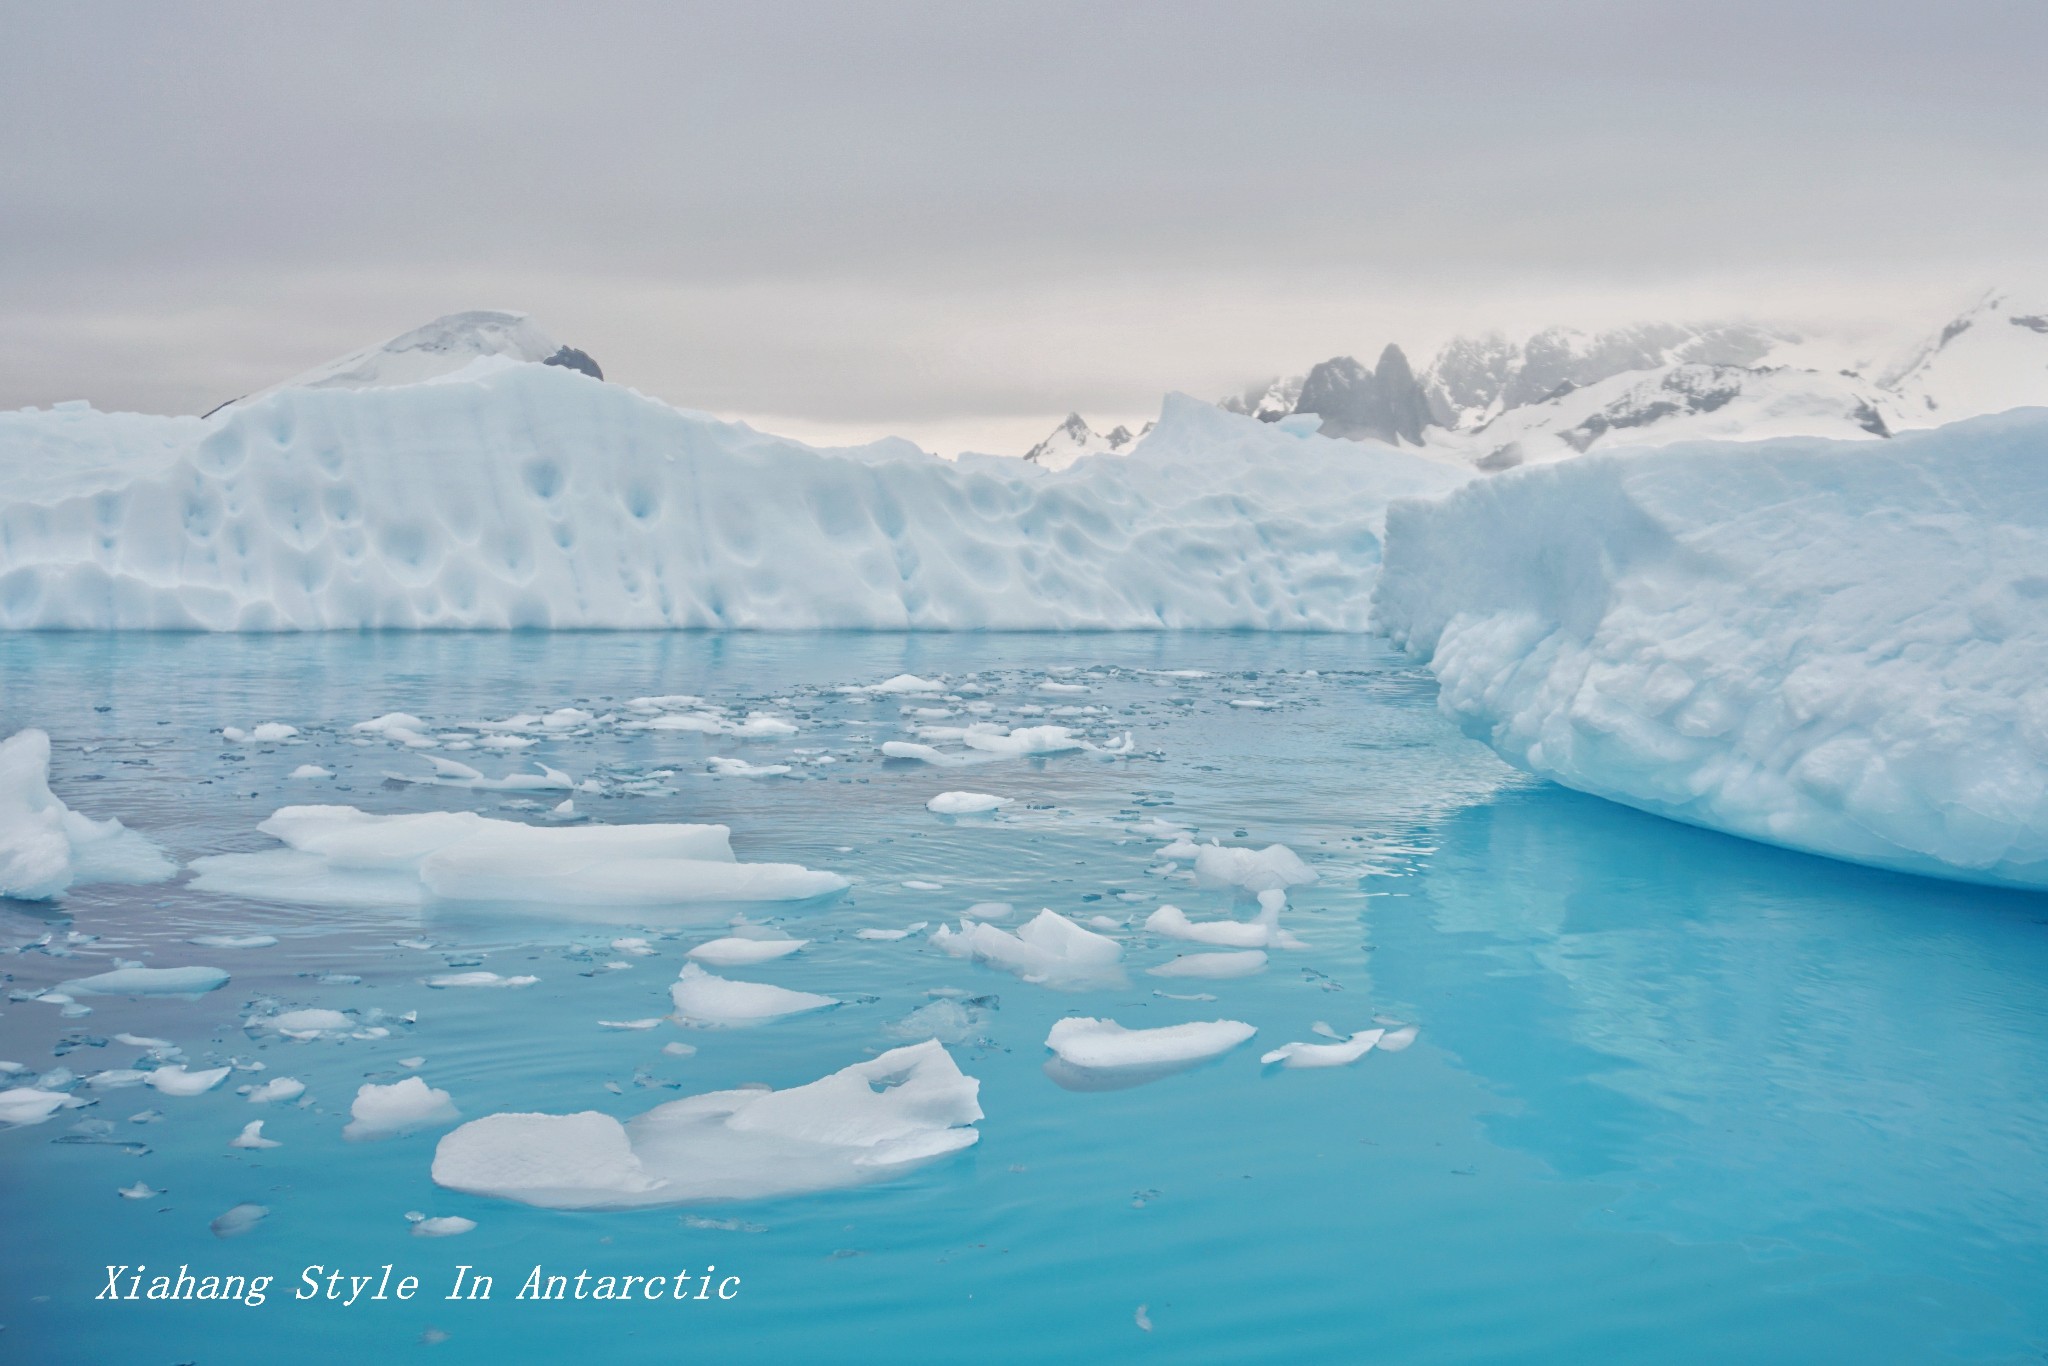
{"x":529,"y":496}
{"x":864,"y":1123}
{"x":445,"y":347}
{"x":46,"y":847}
{"x":338,"y":855}
{"x":1831,"y":646}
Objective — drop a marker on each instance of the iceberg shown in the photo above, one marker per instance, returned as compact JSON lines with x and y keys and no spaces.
{"x":46,"y":847}
{"x":505,"y":495}
{"x":1835,"y":647}
{"x":867,"y":1122}
{"x":340,"y":856}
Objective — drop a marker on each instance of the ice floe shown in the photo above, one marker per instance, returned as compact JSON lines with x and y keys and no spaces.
{"x":268,"y":733}
{"x":23,"y":1105}
{"x":252,"y":1137}
{"x":964,"y":803}
{"x":178,"y":1080}
{"x":480,"y":978}
{"x":734,"y":952}
{"x":1325,"y":1054}
{"x":1172,"y":922}
{"x":1104,"y":1045}
{"x":190,"y":981}
{"x":1049,"y":949}
{"x":277,"y":1089}
{"x":867,"y":1122}
{"x":1274,"y":868}
{"x":443,"y":1226}
{"x":46,"y":847}
{"x":341,"y":856}
{"x":401,"y":1107}
{"x":705,"y":999}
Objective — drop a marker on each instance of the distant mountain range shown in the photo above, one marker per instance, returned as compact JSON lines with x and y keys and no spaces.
{"x":1496,"y":403}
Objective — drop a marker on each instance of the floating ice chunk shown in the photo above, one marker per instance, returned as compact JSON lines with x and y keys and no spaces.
{"x":1325,"y":1054}
{"x":239,"y":1220}
{"x":310,"y":771}
{"x":964,"y":803}
{"x":1219,"y":965}
{"x":1180,"y":849}
{"x":756,"y":726}
{"x":666,"y":702}
{"x":864,"y":1123}
{"x":114,"y":1078}
{"x":23,"y":1105}
{"x":192,"y":981}
{"x":141,"y":1041}
{"x":141,"y":1190}
{"x":651,"y":1022}
{"x":1142,"y":1318}
{"x":1395,"y":1040}
{"x":721,"y":767}
{"x":1099,"y":1045}
{"x":177,"y":1080}
{"x":252,"y":1137}
{"x":734,"y":952}
{"x":704,"y":999}
{"x":566,"y":718}
{"x":390,"y":721}
{"x":308,"y":1023}
{"x":1053,"y":686}
{"x":680,"y":1050}
{"x":449,"y":773}
{"x":445,"y":1226}
{"x":479,"y":979}
{"x":46,"y":847}
{"x":1154,"y":828}
{"x":1049,"y":949}
{"x":233,"y":941}
{"x":1255,"y":870}
{"x":269,"y":733}
{"x":339,"y":855}
{"x":382,"y":1111}
{"x":904,"y":684}
{"x":639,"y":948}
{"x":1025,"y":740}
{"x":1173,"y":923}
{"x":988,"y":910}
{"x":277,"y":1088}
{"x":1252,"y":703}
{"x":921,"y":885}
{"x":887,"y":935}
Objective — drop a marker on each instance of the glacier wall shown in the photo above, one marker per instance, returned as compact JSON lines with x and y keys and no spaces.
{"x":513,"y":495}
{"x":1839,"y":647}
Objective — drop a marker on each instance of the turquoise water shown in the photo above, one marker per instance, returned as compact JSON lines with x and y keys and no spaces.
{"x":1675,"y":1098}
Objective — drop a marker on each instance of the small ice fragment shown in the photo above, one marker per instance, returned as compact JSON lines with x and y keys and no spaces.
{"x":881,"y":934}
{"x":639,"y":948}
{"x":1324,"y":1054}
{"x":946,"y":1021}
{"x":737,"y":953}
{"x":1049,"y":949}
{"x":233,"y":941}
{"x":445,"y":1226}
{"x":304,"y":771}
{"x":720,"y":767}
{"x":650,"y":1022}
{"x":192,"y":981}
{"x":141,"y":1041}
{"x":920,"y":885}
{"x":988,"y":910}
{"x":964,"y":803}
{"x":1322,"y":1027}
{"x":1184,"y":995}
{"x":414,"y":1063}
{"x":116,"y":1077}
{"x":238,"y":1220}
{"x":252,"y":1137}
{"x":277,"y":1088}
{"x":1101,"y":1044}
{"x":863,"y":1123}
{"x":1394,"y":1040}
{"x":479,"y":979}
{"x":381,"y":1111}
{"x":176,"y":1080}
{"x":30,"y":1105}
{"x":306,"y":1023}
{"x":1219,"y":965}
{"x":680,"y":1050}
{"x":139,"y":1191}
{"x":1143,"y":1319}
{"x":1255,"y":870}
{"x":565,"y":807}
{"x":704,"y":999}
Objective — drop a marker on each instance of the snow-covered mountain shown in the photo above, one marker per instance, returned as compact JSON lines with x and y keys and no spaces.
{"x":1496,"y":403}
{"x":442,"y":347}
{"x":1991,"y":357}
{"x":1074,"y":438}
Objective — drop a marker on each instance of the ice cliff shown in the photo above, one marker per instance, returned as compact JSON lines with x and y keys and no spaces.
{"x":1839,"y":647}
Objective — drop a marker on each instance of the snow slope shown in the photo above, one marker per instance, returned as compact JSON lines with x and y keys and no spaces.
{"x":531,"y":495}
{"x":1838,"y":647}
{"x":1989,"y":358}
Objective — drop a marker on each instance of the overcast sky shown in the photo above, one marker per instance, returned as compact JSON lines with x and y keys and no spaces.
{"x":958,"y":221}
